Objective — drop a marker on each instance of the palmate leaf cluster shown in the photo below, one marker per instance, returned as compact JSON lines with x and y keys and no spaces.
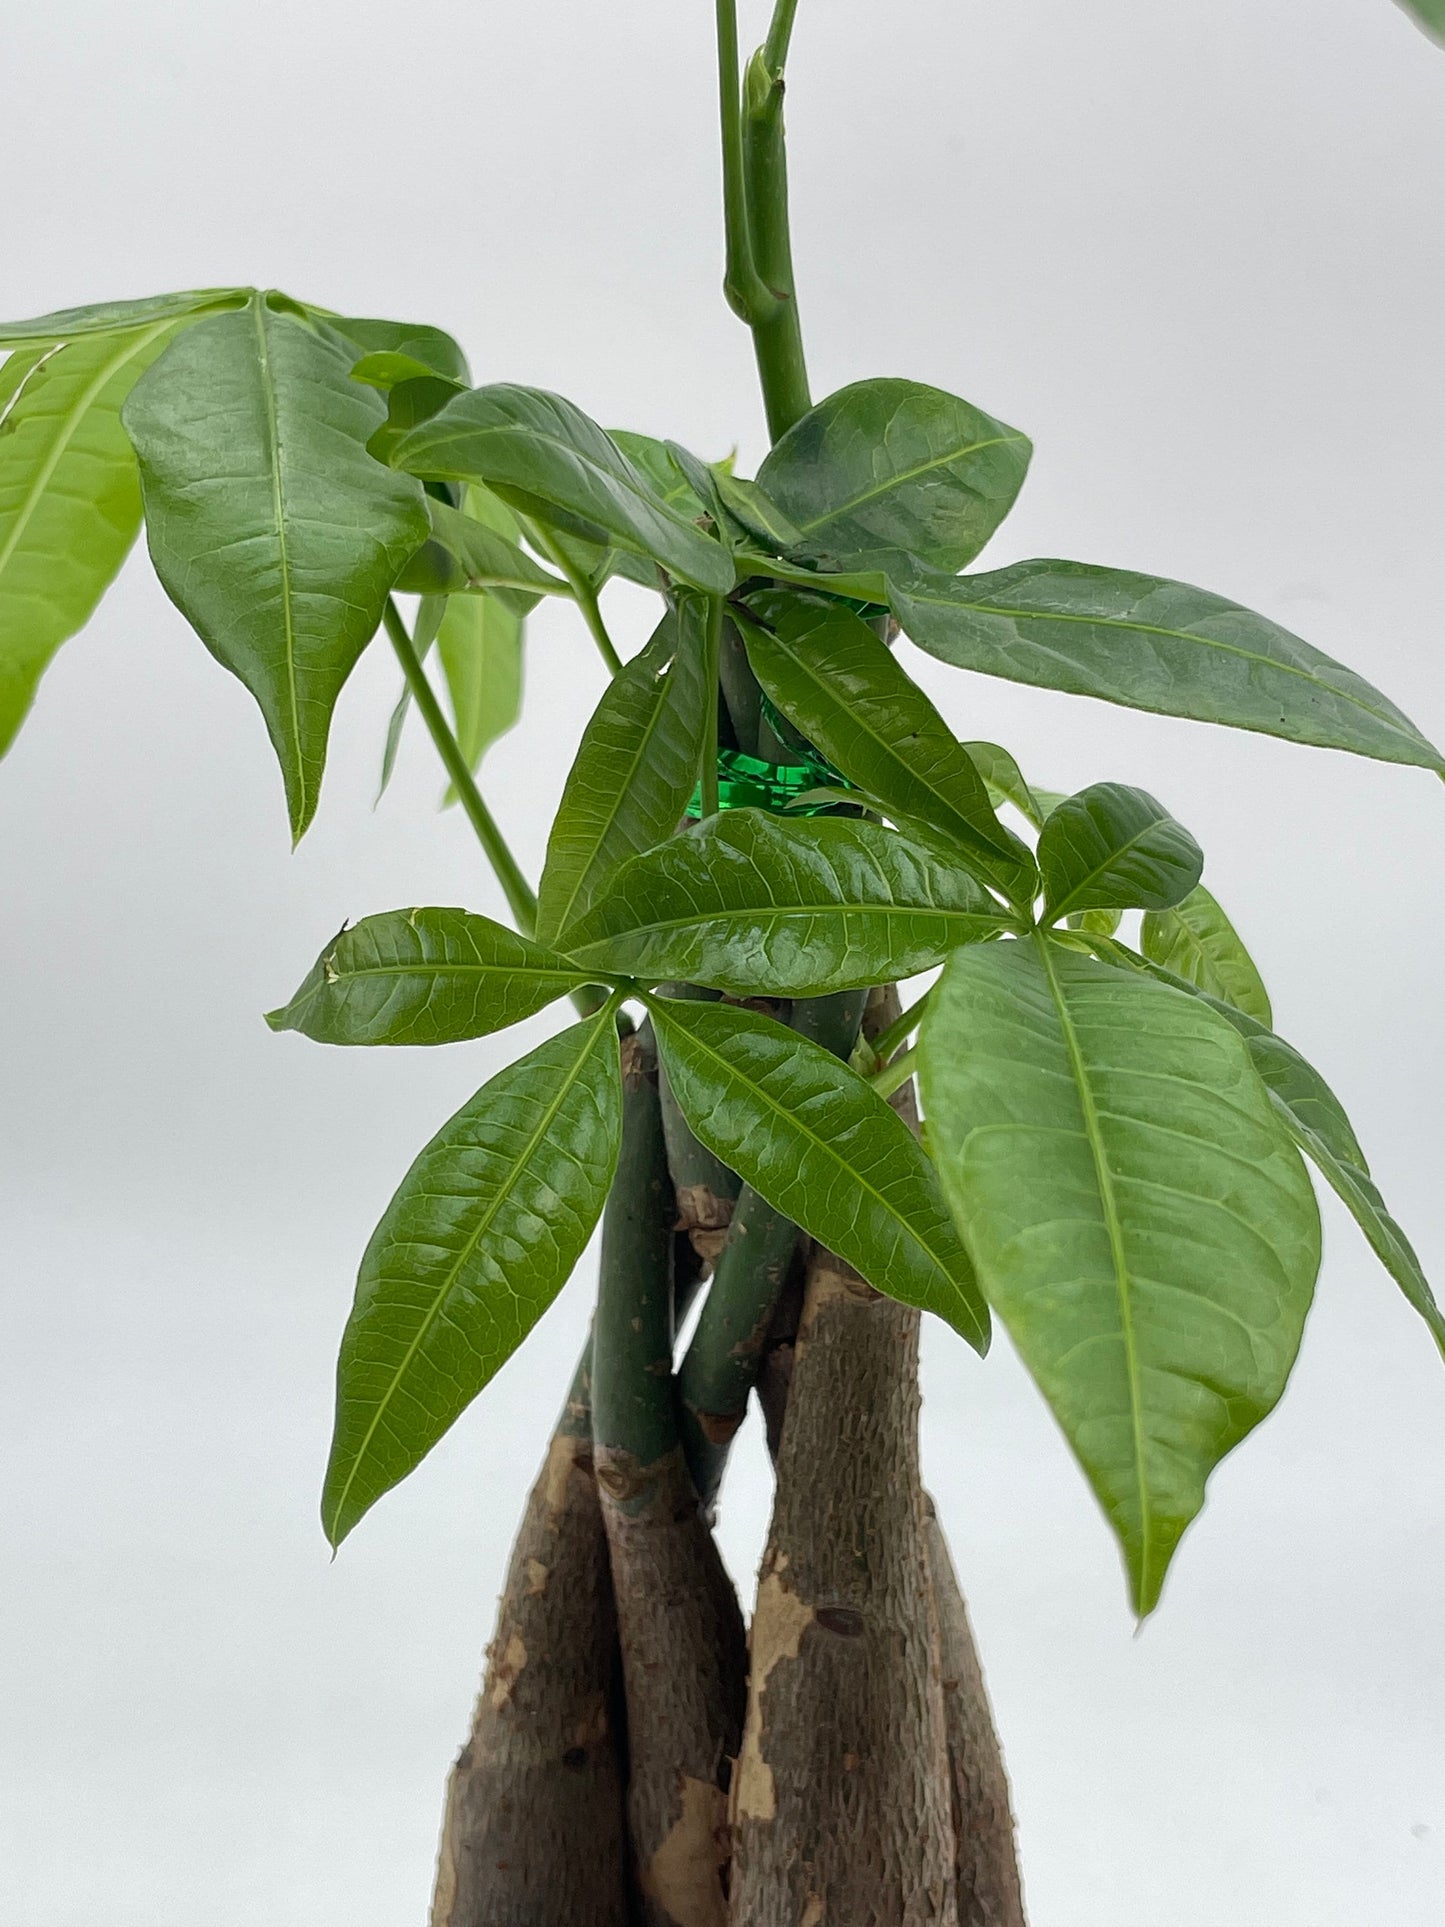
{"x":1115,"y":1137}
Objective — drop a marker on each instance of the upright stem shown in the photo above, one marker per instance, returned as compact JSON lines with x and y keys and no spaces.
{"x":747,"y":295}
{"x":580,"y":584}
{"x":521,"y":898}
{"x":777,"y":333}
{"x":711,"y":655}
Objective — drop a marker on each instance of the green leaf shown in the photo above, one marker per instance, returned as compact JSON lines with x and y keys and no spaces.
{"x":466,"y":554}
{"x":424,"y":977}
{"x":750,"y":904}
{"x":838,"y":683}
{"x":395,"y":351}
{"x":1005,"y":781}
{"x":1137,"y":1216}
{"x":894,"y":468}
{"x":1151,"y":644}
{"x":1316,"y":1120}
{"x":1428,"y":15}
{"x":531,"y":446}
{"x":118,"y":317}
{"x":634,"y":770}
{"x":1111,"y":847}
{"x":476,"y":1244}
{"x":408,"y":404}
{"x":480,"y":644}
{"x":754,"y":510}
{"x":1197,"y":941}
{"x":270,"y":526}
{"x":69,"y":497}
{"x":823,"y":1148}
{"x":661,"y":465}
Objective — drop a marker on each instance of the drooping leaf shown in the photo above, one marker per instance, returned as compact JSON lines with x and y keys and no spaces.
{"x":466,"y":554}
{"x":1317,"y":1121}
{"x":822,"y":1147}
{"x":69,"y":496}
{"x":894,"y":468}
{"x":633,"y":773}
{"x":1147,"y":643}
{"x":270,"y":526}
{"x":480,"y":645}
{"x":534,"y":447}
{"x":1112,"y":847}
{"x":1137,"y":1215}
{"x":1428,"y":15}
{"x":424,"y":977}
{"x":750,"y":904}
{"x":842,"y":687}
{"x":476,"y":1244}
{"x":118,"y":317}
{"x":1197,"y":941}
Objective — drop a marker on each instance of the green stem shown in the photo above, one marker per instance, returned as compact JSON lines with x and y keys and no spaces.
{"x":747,"y":295}
{"x":581,"y":586}
{"x":711,"y":654}
{"x":521,"y":898}
{"x":777,"y":332}
{"x":901,"y":1028}
{"x":894,"y":1076}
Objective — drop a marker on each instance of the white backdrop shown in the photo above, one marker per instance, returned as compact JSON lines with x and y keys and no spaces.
{"x":1196,"y":251}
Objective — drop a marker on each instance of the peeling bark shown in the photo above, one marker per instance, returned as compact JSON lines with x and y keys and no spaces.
{"x":684,"y":1662}
{"x":534,"y":1831}
{"x":841,"y":1802}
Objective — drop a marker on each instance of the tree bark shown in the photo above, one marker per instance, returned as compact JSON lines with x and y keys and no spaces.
{"x":841,"y":1804}
{"x":534,"y":1830}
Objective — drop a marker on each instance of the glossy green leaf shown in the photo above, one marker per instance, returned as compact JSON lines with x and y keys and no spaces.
{"x":822,"y":1147}
{"x":467,"y":554}
{"x":1137,"y":1215}
{"x":1147,"y":643}
{"x":531,"y":446}
{"x":394,"y":351}
{"x":842,"y":687}
{"x":69,"y":496}
{"x":270,"y":526}
{"x":118,"y":317}
{"x":476,"y":1244}
{"x":1428,"y":15}
{"x":424,"y":977}
{"x":894,"y":468}
{"x":1317,"y":1121}
{"x":1005,"y":781}
{"x":1197,"y":941}
{"x":633,"y":773}
{"x":1112,"y":847}
{"x":750,"y":903}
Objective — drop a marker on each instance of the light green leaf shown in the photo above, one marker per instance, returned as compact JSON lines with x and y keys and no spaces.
{"x":270,"y":526}
{"x":634,"y":770}
{"x":1197,"y":941}
{"x":842,"y":687}
{"x":1151,"y":644}
{"x":1428,"y":15}
{"x":820,"y":1146}
{"x":754,"y":510}
{"x":424,"y":977}
{"x":466,"y":554}
{"x":69,"y":496}
{"x":118,"y":317}
{"x":480,"y":644}
{"x":396,"y":351}
{"x":1112,"y":847}
{"x":1137,"y":1215}
{"x":1005,"y":781}
{"x":533,"y":447}
{"x":476,"y":1244}
{"x":662,"y":464}
{"x":751,"y":904}
{"x":894,"y":468}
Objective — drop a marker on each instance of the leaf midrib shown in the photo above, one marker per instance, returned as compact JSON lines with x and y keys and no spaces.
{"x":271,"y":412}
{"x":1183,"y":635}
{"x":70,"y":424}
{"x":731,"y":1074}
{"x":1114,"y":1229}
{"x":757,"y":914}
{"x":510,"y":1180}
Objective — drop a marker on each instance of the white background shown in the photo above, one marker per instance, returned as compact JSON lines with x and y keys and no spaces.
{"x":1196,"y":251}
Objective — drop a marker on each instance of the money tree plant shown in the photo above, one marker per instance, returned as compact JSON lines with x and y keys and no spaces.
{"x":766,"y":827}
